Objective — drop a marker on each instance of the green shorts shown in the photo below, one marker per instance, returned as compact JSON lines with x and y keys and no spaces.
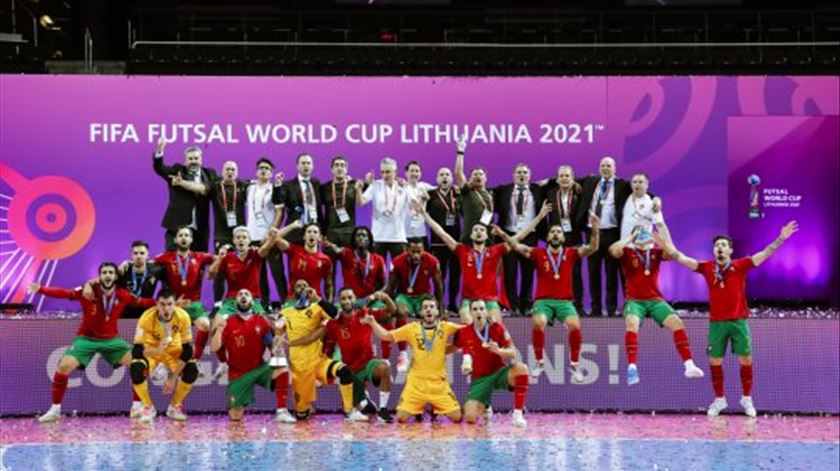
{"x":360,"y":303}
{"x":84,"y":348}
{"x":240,"y":392}
{"x":659,"y":310}
{"x":229,"y":307}
{"x":481,"y":389}
{"x":361,"y":377}
{"x":491,"y":305}
{"x":721,"y":332}
{"x":195,"y":309}
{"x":554,"y":309}
{"x":412,"y":303}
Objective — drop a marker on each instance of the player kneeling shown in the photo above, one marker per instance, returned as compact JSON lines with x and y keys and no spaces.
{"x":243,"y":338}
{"x":163,"y":337}
{"x":487,"y":346}
{"x":427,"y":382}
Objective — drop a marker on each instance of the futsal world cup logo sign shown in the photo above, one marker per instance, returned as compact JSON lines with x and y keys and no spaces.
{"x":755,"y":202}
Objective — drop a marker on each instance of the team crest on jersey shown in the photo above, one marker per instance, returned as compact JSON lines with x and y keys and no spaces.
{"x":635,"y":263}
{"x":308,"y":313}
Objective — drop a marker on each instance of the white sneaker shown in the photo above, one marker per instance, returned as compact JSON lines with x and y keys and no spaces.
{"x":691,"y":370}
{"x":402,"y":362}
{"x":176,"y":413}
{"x":518,"y":419}
{"x":147,"y":415}
{"x":221,"y":370}
{"x":577,"y":374}
{"x":747,"y":404}
{"x":136,"y":407}
{"x":716,"y":407}
{"x":356,"y":416}
{"x":283,"y":416}
{"x":52,"y":415}
{"x":538,"y":369}
{"x":160,"y":373}
{"x":488,"y":413}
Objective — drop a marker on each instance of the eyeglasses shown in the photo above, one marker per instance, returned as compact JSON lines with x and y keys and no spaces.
{"x":264,"y":167}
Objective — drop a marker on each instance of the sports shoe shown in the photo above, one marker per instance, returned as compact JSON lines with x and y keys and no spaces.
{"x":160,"y":373}
{"x":632,"y":375}
{"x":691,"y":370}
{"x":747,"y":404}
{"x":367,"y":407}
{"x":538,"y":369}
{"x":717,"y":406}
{"x":356,"y":416}
{"x":176,"y":413}
{"x":221,"y":370}
{"x":136,"y":407}
{"x":384,"y":416}
{"x":284,"y":417}
{"x":402,"y":362}
{"x":577,"y":374}
{"x":52,"y":415}
{"x":518,"y":419}
{"x":147,"y":415}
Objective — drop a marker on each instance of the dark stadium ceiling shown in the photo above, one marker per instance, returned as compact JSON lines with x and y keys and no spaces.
{"x":417,"y":37}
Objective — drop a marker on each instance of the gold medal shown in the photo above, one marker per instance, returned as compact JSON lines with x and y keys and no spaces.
{"x":183,"y":282}
{"x":485,"y":345}
{"x":478,"y":276}
{"x":722,"y":285}
{"x":410,"y":290}
{"x":647,"y":272}
{"x":556,"y":276}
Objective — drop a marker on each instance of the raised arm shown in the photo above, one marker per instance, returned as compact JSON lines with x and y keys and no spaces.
{"x":217,"y":262}
{"x":437,"y":277}
{"x":329,"y":245}
{"x":787,"y":231}
{"x":507,"y":353}
{"x":361,"y":200}
{"x":594,"y":237}
{"x":617,"y":249}
{"x":60,"y":293}
{"x":671,"y":252}
{"x":216,"y":339}
{"x":268,"y":243}
{"x":460,"y":177}
{"x":508,"y":240}
{"x":545,"y":210}
{"x":281,"y":241}
{"x":446,"y":238}
{"x":390,"y":307}
{"x":380,"y":331}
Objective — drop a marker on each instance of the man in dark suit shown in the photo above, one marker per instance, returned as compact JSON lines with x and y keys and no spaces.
{"x":564,"y":196}
{"x":188,"y":202}
{"x":300,"y":199}
{"x":605,"y":195}
{"x":517,"y":204}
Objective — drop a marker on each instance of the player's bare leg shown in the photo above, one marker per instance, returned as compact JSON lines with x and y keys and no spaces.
{"x":382,"y":374}
{"x":473,"y":410}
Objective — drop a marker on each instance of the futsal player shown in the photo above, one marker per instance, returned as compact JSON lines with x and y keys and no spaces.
{"x":362,"y":269}
{"x":306,"y":262}
{"x":728,"y":309}
{"x":98,"y":332}
{"x":354,"y":340}
{"x":243,"y":339}
{"x":163,"y":335}
{"x":487,"y":348}
{"x":241,"y":268}
{"x":640,"y":260}
{"x":427,"y":382}
{"x":555,"y":296}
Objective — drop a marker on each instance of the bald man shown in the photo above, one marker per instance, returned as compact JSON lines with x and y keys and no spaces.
{"x":605,"y":195}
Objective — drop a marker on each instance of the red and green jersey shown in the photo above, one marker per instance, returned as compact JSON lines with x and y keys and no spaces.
{"x":638,"y":285}
{"x":551,"y":285}
{"x":485,"y":362}
{"x":480,"y":284}
{"x":353,"y":338}
{"x":242,"y":274}
{"x":312,"y":267}
{"x":184,"y":274}
{"x":727,"y":288}
{"x":423,"y":273}
{"x":100,"y":315}
{"x":243,"y":340}
{"x":363,"y":274}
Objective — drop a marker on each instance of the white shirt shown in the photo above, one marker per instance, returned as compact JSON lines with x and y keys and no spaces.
{"x":306,"y":185}
{"x":608,"y":215}
{"x":639,"y":212}
{"x":515,"y":221}
{"x":390,"y":206}
{"x":415,"y":226}
{"x":259,"y":210}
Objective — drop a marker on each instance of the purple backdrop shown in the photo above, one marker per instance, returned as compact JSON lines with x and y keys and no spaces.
{"x":786,"y":376}
{"x":74,"y":193}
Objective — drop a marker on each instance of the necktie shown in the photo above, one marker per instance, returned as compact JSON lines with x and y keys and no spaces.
{"x":520,"y":200}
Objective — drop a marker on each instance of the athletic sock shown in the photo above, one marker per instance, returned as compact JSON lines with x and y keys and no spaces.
{"x":747,"y":379}
{"x":681,"y":342}
{"x":401,"y":321}
{"x":575,"y":342}
{"x":383,"y":399}
{"x":181,"y":392}
{"x":346,"y":396}
{"x":281,"y":389}
{"x":142,"y":391}
{"x":200,"y":341}
{"x":631,"y":345}
{"x":538,"y":340}
{"x":717,"y":379}
{"x":520,"y":391}
{"x":59,"y":387}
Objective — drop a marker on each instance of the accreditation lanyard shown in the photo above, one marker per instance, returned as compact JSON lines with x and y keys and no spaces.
{"x":224,"y":196}
{"x":565,"y":210}
{"x":449,"y":210}
{"x":343,"y":195}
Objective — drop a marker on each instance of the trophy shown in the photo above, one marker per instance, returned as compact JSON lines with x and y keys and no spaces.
{"x":755,"y":208}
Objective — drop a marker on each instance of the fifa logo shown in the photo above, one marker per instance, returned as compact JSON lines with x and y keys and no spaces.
{"x":755,"y":203}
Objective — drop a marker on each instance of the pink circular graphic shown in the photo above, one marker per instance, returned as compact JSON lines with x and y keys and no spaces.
{"x":51,"y":217}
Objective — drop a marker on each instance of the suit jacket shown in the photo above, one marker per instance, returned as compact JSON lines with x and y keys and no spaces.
{"x":289,"y":194}
{"x":181,"y":201}
{"x":551,"y":190}
{"x":589,"y":184}
{"x":502,"y":196}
